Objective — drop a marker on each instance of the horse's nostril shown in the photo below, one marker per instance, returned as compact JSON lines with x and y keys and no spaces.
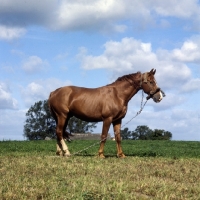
{"x":156,"y":99}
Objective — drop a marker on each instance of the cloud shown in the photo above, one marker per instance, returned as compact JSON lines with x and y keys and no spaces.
{"x":172,"y":75}
{"x":191,"y":86}
{"x":127,"y":55}
{"x":168,"y":102}
{"x":100,"y":15}
{"x":175,"y":8}
{"x":130,"y":55}
{"x":39,"y":90}
{"x":34,"y":64}
{"x":76,"y":15}
{"x":63,"y":15}
{"x":6,"y":99}
{"x":10,"y":33}
{"x":25,"y":13}
{"x":189,"y":52}
{"x":33,"y":92}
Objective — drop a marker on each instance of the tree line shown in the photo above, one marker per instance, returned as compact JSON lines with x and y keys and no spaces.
{"x":39,"y":124}
{"x":145,"y":133}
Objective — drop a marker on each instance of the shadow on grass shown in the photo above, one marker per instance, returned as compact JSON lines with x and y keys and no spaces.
{"x":115,"y":156}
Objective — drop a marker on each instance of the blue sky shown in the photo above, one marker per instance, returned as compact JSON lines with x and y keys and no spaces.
{"x":49,"y":44}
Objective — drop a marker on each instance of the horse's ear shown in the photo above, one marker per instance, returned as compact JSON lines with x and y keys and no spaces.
{"x":153,"y":71}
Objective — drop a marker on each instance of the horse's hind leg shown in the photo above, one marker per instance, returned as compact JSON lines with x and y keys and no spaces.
{"x":62,"y":148}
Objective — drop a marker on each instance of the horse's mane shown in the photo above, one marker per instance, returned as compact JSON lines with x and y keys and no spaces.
{"x":127,"y":77}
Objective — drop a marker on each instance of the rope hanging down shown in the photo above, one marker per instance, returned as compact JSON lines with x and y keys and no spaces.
{"x":141,"y":109}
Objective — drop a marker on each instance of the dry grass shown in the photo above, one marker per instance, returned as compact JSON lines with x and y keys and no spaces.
{"x":88,"y":178}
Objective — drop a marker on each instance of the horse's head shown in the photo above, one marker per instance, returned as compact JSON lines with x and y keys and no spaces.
{"x":149,"y":86}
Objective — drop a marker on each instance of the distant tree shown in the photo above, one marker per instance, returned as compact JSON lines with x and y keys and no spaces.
{"x":39,"y":123}
{"x":125,"y":134}
{"x":167,"y":135}
{"x":145,"y":133}
{"x":141,"y":133}
{"x":159,"y":134}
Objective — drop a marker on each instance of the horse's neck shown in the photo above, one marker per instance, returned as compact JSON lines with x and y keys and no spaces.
{"x":126,"y":90}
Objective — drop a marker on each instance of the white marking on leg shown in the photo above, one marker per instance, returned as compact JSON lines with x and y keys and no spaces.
{"x":58,"y":149}
{"x":65,"y":148}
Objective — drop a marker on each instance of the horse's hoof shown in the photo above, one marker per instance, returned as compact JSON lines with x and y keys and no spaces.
{"x":67,"y":154}
{"x":101,"y":155}
{"x":121,"y":155}
{"x":59,"y":153}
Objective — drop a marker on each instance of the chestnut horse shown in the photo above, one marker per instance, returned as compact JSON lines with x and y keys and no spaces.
{"x":108,"y":104}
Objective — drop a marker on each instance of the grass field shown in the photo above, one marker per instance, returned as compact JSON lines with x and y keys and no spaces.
{"x":151,"y":170}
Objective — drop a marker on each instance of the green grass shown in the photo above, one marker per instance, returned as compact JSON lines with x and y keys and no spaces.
{"x":140,"y":148}
{"x":151,"y":170}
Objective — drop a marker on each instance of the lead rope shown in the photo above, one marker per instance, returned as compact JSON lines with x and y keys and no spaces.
{"x":141,"y":109}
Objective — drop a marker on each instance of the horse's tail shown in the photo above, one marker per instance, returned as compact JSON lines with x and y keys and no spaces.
{"x":51,"y":107}
{"x":53,"y":113}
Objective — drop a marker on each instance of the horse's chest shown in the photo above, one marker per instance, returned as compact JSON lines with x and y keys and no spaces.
{"x":124,"y":110}
{"x":121,"y":113}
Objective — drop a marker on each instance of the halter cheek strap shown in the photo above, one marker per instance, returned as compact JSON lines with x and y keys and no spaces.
{"x":145,"y":79}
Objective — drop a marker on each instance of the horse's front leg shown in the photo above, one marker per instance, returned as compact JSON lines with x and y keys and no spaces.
{"x":117,"y":127}
{"x":106,"y":126}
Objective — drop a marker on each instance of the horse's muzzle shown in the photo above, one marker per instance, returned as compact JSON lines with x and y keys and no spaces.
{"x":157,"y":95}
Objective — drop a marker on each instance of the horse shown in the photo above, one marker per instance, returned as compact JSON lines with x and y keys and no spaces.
{"x":107,"y":103}
{"x":66,"y":136}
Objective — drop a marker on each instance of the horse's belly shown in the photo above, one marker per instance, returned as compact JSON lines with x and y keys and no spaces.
{"x":88,"y":117}
{"x":97,"y":110}
{"x":86,"y":113}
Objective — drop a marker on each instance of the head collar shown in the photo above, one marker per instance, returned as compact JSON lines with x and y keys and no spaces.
{"x":151,"y":93}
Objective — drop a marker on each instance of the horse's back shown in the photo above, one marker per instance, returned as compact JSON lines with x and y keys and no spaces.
{"x":68,"y":94}
{"x":72,"y":91}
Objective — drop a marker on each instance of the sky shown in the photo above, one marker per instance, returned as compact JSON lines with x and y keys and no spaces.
{"x":48,"y":44}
